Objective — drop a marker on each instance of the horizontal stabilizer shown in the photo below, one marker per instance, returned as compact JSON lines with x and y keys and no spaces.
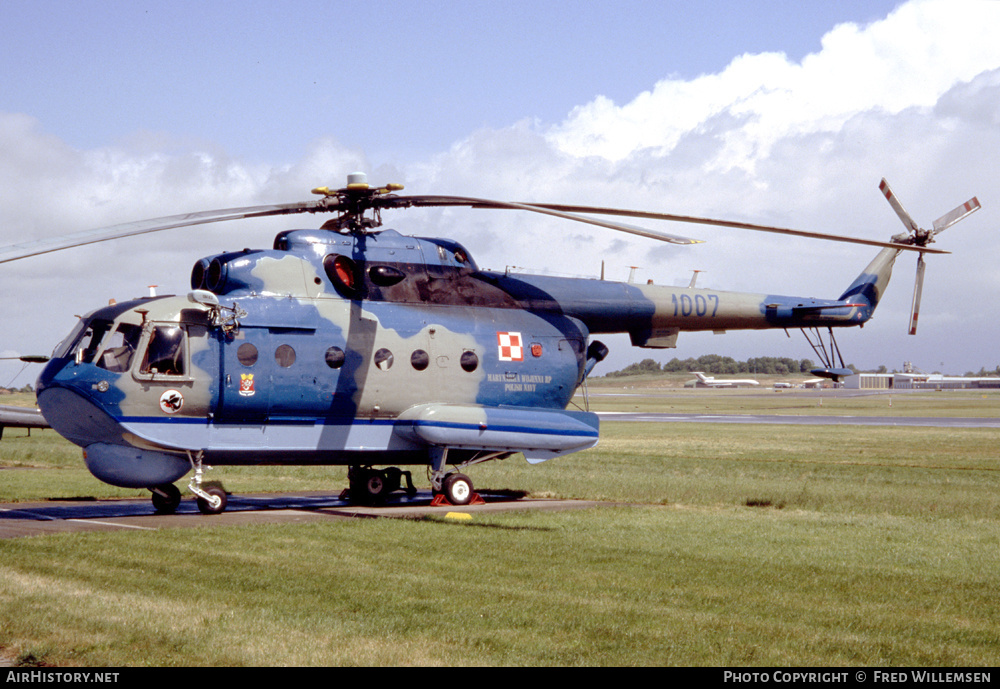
{"x":821,"y":307}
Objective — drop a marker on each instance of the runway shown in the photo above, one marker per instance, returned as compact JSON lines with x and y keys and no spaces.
{"x":805,"y":420}
{"x":136,"y":514}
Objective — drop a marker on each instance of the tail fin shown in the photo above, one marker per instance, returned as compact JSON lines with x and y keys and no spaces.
{"x":871,"y":284}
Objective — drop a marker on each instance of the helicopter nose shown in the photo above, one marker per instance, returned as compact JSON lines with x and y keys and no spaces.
{"x":75,"y":417}
{"x":108,"y":457}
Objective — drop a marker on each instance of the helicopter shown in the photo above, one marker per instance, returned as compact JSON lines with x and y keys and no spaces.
{"x":357,"y":346}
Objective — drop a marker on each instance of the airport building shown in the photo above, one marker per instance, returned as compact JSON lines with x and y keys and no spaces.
{"x":916,"y":381}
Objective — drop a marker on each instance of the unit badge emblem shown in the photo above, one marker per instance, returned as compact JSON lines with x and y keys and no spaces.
{"x":171,"y":402}
{"x":246,"y":385}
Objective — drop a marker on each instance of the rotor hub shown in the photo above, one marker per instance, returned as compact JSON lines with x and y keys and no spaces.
{"x":353,"y":201}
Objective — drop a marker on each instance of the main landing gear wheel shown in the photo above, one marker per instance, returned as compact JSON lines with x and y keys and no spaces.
{"x":367,"y":486}
{"x":375,"y":488}
{"x":457,"y":488}
{"x":216,"y":503}
{"x":166,"y":498}
{"x":372,"y":486}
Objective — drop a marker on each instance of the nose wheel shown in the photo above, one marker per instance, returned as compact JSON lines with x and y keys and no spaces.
{"x":213,"y":501}
{"x":166,"y":498}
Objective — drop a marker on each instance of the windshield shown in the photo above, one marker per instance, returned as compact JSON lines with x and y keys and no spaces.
{"x":85,"y":340}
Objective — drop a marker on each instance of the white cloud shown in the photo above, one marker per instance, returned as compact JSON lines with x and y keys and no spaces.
{"x":907,"y":60}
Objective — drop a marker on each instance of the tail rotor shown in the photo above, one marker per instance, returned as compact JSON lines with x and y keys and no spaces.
{"x":917,"y":236}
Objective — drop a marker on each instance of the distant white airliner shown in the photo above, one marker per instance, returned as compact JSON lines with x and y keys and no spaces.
{"x":711,"y":382}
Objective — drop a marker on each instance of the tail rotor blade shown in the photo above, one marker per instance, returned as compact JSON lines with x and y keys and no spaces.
{"x":918,"y":288}
{"x":898,"y":207}
{"x":952,"y":217}
{"x":919,"y":239}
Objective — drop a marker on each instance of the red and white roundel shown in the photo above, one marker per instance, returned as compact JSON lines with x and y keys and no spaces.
{"x":510,"y":347}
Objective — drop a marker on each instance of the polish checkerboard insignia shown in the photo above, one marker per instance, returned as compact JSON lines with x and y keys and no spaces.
{"x":510,"y":347}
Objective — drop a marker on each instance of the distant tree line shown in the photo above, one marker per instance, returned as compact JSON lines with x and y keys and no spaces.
{"x":713,"y":363}
{"x":983,"y":373}
{"x":10,"y":391}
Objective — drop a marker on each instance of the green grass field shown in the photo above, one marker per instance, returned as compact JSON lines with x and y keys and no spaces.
{"x":736,"y":545}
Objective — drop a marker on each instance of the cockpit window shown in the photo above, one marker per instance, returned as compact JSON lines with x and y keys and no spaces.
{"x":119,"y":348}
{"x":165,"y":352}
{"x":88,"y":341}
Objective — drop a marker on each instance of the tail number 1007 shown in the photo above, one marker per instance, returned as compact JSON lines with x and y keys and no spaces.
{"x":685,"y":305}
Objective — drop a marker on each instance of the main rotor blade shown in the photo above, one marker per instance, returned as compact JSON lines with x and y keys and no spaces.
{"x":918,"y":288}
{"x":103,"y":234}
{"x":898,"y":207}
{"x":953,"y":216}
{"x":737,"y":225}
{"x":631,"y":229}
{"x":333,"y":203}
{"x":545,"y":209}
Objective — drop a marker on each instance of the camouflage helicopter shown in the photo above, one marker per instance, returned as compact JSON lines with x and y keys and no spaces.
{"x":353,"y":346}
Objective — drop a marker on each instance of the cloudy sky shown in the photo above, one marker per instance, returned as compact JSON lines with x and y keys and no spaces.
{"x":772,"y":112}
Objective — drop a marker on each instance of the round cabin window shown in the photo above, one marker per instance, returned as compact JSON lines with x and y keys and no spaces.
{"x":420,"y":359}
{"x":335,"y":357}
{"x":247,"y":354}
{"x":383,"y":359}
{"x":469,"y":361}
{"x":284,"y":355}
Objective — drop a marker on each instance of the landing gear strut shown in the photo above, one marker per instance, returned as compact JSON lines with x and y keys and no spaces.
{"x":211,"y":498}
